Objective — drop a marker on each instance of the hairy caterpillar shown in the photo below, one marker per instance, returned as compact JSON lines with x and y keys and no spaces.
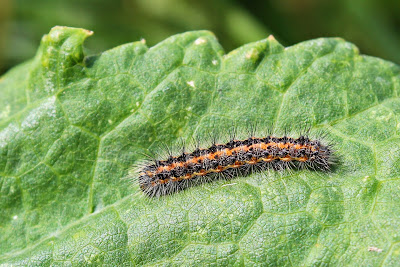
{"x":231,"y":159}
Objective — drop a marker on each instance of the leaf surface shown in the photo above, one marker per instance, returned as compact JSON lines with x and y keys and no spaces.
{"x":71,"y":126}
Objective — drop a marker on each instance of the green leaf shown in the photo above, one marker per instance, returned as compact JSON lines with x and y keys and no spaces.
{"x":71,"y":126}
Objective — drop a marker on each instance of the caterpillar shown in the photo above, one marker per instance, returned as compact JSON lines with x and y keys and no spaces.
{"x":234,"y":158}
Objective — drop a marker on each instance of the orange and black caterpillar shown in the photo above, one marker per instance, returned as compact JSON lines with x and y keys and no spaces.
{"x":236,"y":157}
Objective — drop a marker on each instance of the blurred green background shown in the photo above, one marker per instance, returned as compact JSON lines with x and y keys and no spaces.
{"x":373,"y":25}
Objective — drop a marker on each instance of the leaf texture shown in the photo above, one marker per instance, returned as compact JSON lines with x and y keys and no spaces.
{"x":71,"y":126}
